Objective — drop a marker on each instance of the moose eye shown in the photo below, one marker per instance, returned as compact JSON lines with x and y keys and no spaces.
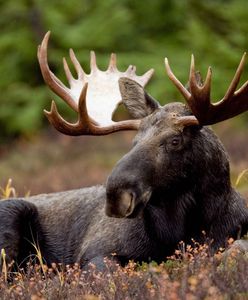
{"x":175,"y":141}
{"x":171,"y":143}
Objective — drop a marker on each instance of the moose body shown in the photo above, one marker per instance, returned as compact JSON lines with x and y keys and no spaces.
{"x":191,"y":193}
{"x":172,"y":186}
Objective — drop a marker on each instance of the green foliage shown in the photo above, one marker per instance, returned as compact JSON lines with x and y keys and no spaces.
{"x":141,"y":32}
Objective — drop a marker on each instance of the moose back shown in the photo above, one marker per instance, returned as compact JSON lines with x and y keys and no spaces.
{"x":172,"y":185}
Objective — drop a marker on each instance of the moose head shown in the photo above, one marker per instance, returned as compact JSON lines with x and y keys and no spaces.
{"x":172,"y":143}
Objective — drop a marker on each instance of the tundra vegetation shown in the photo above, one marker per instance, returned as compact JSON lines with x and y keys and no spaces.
{"x":190,"y":273}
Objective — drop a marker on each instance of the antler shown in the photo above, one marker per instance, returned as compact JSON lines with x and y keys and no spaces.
{"x":94,"y":96}
{"x":198,"y":98}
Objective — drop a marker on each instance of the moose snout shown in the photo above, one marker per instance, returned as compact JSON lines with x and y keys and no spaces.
{"x":121,"y":204}
{"x":128,"y":187}
{"x":125,"y":198}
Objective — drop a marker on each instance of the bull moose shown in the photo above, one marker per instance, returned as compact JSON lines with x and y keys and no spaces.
{"x":173,"y":184}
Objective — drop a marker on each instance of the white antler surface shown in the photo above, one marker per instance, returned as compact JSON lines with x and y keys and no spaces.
{"x":103,"y":94}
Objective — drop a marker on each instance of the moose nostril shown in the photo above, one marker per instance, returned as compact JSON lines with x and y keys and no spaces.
{"x":121,"y":205}
{"x":126,"y":202}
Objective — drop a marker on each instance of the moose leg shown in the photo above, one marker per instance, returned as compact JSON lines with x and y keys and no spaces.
{"x":18,"y":229}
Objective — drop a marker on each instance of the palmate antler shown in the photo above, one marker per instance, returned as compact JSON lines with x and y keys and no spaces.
{"x":198,"y":98}
{"x":94,"y":96}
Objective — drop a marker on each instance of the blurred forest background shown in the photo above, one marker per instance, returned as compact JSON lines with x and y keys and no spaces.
{"x":141,"y":33}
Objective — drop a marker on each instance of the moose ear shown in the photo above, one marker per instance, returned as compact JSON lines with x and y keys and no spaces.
{"x":138,"y":103}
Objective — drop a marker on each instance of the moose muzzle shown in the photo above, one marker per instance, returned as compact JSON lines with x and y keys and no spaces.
{"x":121,"y":206}
{"x":126,"y":200}
{"x":128,"y":187}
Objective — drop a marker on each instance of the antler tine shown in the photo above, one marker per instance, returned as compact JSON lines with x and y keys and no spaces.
{"x":198,"y":99}
{"x":195,"y":84}
{"x":233,"y":103}
{"x":76,"y":64}
{"x":192,"y":77}
{"x":242,"y":89}
{"x":176,"y":82}
{"x":146,"y":77}
{"x":112,"y":62}
{"x":82,"y":126}
{"x":200,"y":93}
{"x":131,"y":70}
{"x":56,"y":120}
{"x":67,"y":71}
{"x":52,"y":81}
{"x":207,"y":84}
{"x":236,"y":78}
{"x":84,"y":121}
{"x":93,"y":65}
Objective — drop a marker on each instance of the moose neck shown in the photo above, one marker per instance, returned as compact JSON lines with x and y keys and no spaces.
{"x":171,"y":210}
{"x":206,"y":185}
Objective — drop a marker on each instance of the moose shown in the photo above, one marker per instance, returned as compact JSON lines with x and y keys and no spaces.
{"x":172,"y":186}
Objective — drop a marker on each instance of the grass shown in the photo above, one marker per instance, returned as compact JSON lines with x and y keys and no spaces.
{"x":243,"y":174}
{"x":190,"y":274}
{"x":8,"y":191}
